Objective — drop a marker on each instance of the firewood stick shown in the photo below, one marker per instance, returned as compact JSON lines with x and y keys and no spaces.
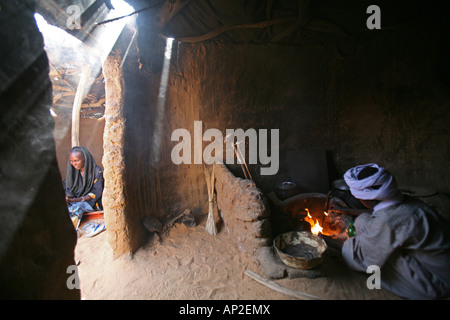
{"x":245,"y":162}
{"x":327,"y":202}
{"x":237,"y":156}
{"x":325,"y":208}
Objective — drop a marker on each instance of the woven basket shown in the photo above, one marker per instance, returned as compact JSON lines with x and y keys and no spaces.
{"x":316,"y":247}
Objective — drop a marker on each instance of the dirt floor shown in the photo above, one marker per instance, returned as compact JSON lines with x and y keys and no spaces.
{"x":190,"y":264}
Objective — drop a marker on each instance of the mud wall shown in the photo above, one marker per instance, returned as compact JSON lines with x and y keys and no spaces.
{"x":357,"y":109}
{"x":386,"y":103}
{"x":389,"y":104}
{"x":338,"y":101}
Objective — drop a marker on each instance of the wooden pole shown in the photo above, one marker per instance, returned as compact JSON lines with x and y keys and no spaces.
{"x":274,"y":286}
{"x":79,"y":96}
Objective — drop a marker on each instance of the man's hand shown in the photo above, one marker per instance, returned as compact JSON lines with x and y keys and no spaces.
{"x":337,"y":208}
{"x":333,"y":243}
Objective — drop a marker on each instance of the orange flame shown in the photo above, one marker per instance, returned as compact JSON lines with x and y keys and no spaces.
{"x":315,"y":226}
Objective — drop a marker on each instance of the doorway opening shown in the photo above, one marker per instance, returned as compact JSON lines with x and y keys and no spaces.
{"x":80,"y":99}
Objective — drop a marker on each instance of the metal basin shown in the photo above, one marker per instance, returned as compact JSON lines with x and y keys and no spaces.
{"x":300,"y":249}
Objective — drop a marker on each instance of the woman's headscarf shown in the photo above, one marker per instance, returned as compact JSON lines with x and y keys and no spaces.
{"x":74,"y":181}
{"x":381,"y":185}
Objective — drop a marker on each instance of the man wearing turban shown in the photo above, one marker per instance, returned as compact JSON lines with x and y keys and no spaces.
{"x":405,"y":238}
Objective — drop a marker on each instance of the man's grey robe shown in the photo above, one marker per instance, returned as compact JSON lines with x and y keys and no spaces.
{"x":411,"y":245}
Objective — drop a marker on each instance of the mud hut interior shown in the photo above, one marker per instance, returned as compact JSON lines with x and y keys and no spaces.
{"x":154,"y":89}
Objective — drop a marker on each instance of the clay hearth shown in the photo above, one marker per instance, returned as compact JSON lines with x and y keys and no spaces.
{"x":244,"y":211}
{"x":252,"y":223}
{"x":289,"y":215}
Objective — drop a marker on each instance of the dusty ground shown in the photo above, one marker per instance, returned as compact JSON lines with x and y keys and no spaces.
{"x":190,"y":264}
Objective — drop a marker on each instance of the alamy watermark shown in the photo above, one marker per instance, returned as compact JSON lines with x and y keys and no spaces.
{"x":373,"y":281}
{"x":374,"y":20}
{"x":235,"y":145}
{"x":73,"y":281}
{"x":74,"y":17}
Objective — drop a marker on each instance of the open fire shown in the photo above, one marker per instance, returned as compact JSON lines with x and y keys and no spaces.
{"x":309,"y":213}
{"x":316,"y":228}
{"x":330,"y":225}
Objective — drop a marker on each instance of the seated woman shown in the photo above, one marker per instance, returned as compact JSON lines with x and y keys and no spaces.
{"x":84,"y":181}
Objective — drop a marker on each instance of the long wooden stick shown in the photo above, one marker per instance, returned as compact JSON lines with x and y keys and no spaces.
{"x":245,"y":162}
{"x":274,"y":286}
{"x":79,"y":96}
{"x":223,"y":29}
{"x":239,"y":160}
